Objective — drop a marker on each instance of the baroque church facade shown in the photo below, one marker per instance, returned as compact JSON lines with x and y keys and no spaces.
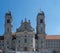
{"x":26,"y":39}
{"x":25,"y":35}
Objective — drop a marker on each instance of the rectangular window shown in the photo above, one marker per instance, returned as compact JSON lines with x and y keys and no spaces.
{"x":25,"y":40}
{"x":7,"y":29}
{"x":41,"y":20}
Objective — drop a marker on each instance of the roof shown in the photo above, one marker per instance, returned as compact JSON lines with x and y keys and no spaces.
{"x":41,"y":13}
{"x":48,"y":37}
{"x":53,"y":37}
{"x":8,"y":12}
{"x":25,"y":26}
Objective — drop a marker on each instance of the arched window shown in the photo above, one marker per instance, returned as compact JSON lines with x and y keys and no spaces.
{"x":8,"y":21}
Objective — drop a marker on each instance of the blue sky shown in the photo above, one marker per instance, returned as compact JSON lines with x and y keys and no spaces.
{"x":29,"y":9}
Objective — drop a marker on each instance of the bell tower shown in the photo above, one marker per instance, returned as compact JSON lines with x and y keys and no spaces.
{"x":40,"y":29}
{"x":8,"y":21}
{"x":40,"y":23}
{"x":8,"y":31}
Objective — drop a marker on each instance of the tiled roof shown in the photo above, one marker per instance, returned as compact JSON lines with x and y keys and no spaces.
{"x":54,"y":37}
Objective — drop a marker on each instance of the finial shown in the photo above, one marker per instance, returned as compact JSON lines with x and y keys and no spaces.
{"x":41,"y":12}
{"x":8,"y":12}
{"x":29,"y":21}
{"x":25,"y":20}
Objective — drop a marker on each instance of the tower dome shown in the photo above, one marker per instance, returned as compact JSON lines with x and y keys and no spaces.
{"x":8,"y":12}
{"x":41,"y":13}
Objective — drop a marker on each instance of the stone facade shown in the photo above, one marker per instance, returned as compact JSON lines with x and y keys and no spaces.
{"x":26,"y":40}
